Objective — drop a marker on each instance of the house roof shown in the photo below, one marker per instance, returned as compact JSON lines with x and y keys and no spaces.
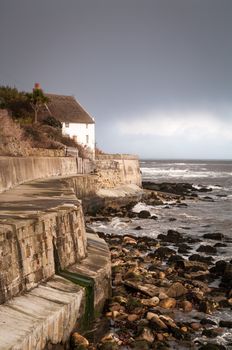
{"x":67,"y":109}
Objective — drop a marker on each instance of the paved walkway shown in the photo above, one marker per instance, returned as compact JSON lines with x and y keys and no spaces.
{"x":35,"y":196}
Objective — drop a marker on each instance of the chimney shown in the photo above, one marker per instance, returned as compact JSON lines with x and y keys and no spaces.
{"x":37,"y":86}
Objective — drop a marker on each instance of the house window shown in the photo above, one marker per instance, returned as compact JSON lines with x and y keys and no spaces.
{"x":87,"y":125}
{"x":87,"y":138}
{"x":75,"y":138}
{"x":66,"y":125}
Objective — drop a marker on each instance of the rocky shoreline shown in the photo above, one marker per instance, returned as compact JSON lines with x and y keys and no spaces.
{"x":160,"y":298}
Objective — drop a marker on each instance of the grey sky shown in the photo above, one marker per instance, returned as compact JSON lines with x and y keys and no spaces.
{"x":155,"y":74}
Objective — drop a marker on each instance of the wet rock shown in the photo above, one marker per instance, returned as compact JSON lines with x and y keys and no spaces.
{"x":220,"y":245}
{"x":154,"y":217}
{"x":129,"y":240}
{"x":141,"y":345}
{"x":79,"y":342}
{"x":196,"y":326}
{"x":226,"y":324}
{"x":169,"y":303}
{"x":176,"y":290}
{"x":227,"y":276}
{"x":186,"y":305}
{"x":151,"y":302}
{"x":138,"y":228}
{"x":212,"y":332}
{"x":168,"y":321}
{"x":183,"y":248}
{"x":175,"y":259}
{"x":192,"y":266}
{"x":172,"y":219}
{"x":219,"y":267}
{"x":207,"y":306}
{"x":217,"y":236}
{"x":207,"y":199}
{"x":212,"y":347}
{"x":162,"y":296}
{"x":200,"y":258}
{"x":182,"y":205}
{"x":208,"y":321}
{"x":144,"y":214}
{"x":146,"y":335}
{"x":133,"y":317}
{"x":207,"y":249}
{"x":155,"y":322}
{"x":147,"y":289}
{"x":174,"y":236}
{"x":164,"y":252}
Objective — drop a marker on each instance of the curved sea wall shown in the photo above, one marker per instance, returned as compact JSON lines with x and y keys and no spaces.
{"x":53,"y":275}
{"x":17,"y":170}
{"x":118,"y":169}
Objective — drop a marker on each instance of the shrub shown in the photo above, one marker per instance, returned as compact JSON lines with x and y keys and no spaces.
{"x":12,"y":142}
{"x":52,"y":121}
{"x":16,"y":102}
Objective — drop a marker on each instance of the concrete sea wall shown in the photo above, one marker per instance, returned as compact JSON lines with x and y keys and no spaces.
{"x":17,"y":170}
{"x":42,"y":234}
{"x":118,"y":169}
{"x":29,"y":248}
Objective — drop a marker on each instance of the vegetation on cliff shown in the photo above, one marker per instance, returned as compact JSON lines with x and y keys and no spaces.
{"x":21,"y":130}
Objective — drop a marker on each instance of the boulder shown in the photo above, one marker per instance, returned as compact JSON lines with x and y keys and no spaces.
{"x":208,"y":249}
{"x":169,"y":303}
{"x":186,"y":306}
{"x":79,"y":342}
{"x":217,"y":236}
{"x":226,"y":324}
{"x":164,"y":252}
{"x":144,"y":214}
{"x":176,"y":290}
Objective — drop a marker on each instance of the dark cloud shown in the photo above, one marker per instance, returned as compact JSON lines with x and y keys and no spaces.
{"x":123,"y":58}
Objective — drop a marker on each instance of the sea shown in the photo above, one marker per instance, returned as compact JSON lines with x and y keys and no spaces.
{"x":210,"y":213}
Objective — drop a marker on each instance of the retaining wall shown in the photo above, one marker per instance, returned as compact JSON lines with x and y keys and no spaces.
{"x":29,"y":248}
{"x":118,"y":169}
{"x":17,"y":170}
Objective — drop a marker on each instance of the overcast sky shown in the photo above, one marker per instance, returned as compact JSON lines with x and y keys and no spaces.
{"x":155,"y":74}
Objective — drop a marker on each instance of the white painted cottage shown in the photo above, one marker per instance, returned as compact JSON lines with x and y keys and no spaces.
{"x":76,"y":122}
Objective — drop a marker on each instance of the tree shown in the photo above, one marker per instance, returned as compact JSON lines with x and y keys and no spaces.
{"x":37,"y":100}
{"x":15,"y":102}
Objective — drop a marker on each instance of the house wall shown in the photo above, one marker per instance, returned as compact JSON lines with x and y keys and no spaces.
{"x":81,"y":131}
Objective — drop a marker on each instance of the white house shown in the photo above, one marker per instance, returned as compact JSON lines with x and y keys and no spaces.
{"x":76,"y":122}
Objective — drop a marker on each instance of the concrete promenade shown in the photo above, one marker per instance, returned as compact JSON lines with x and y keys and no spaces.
{"x":42,"y":233}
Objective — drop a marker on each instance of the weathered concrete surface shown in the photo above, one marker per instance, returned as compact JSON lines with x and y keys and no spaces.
{"x":112,"y":170}
{"x":118,"y":169}
{"x":45,"y":315}
{"x":18,"y":170}
{"x":97,"y":265}
{"x":41,"y":231}
{"x":120,"y":191}
{"x":49,"y":313}
{"x":41,"y":225}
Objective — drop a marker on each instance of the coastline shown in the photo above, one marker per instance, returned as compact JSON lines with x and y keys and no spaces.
{"x":162,"y":297}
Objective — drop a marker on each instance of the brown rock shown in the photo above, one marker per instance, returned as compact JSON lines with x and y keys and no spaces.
{"x":129,"y":240}
{"x":150,"y":302}
{"x":186,"y":306}
{"x":79,"y":341}
{"x":132,"y":317}
{"x":196,"y":326}
{"x":176,"y":290}
{"x":156,"y":322}
{"x":147,"y":335}
{"x":169,"y":303}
